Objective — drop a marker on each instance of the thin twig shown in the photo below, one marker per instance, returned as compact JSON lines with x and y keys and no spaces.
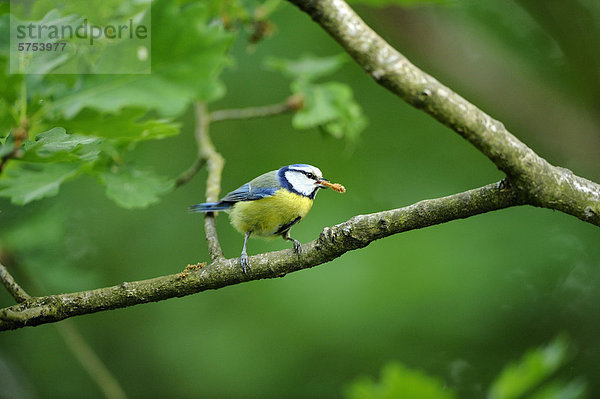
{"x":292,"y":103}
{"x":215,"y":163}
{"x":89,"y":360}
{"x":358,"y":232}
{"x":200,"y":160}
{"x":188,"y":174}
{"x":77,"y":344}
{"x":11,"y":285}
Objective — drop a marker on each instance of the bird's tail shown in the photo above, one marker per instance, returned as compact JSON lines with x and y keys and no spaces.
{"x":210,"y":207}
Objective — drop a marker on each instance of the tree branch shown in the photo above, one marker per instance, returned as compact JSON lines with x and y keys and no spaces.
{"x":90,"y":361}
{"x":292,"y":103}
{"x":190,"y":172}
{"x":215,"y":163}
{"x":333,"y":242}
{"x":207,"y":154}
{"x":81,"y":349}
{"x":11,"y":285}
{"x":543,"y":184}
{"x":200,"y":160}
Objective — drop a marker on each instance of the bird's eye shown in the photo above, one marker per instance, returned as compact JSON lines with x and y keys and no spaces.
{"x":312,"y":176}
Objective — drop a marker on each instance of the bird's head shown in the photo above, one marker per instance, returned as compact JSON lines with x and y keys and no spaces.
{"x":302,"y":179}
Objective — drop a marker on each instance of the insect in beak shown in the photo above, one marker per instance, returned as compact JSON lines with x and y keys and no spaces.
{"x":324,"y":183}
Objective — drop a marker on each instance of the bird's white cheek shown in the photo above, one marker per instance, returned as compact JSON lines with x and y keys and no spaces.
{"x":300,"y":183}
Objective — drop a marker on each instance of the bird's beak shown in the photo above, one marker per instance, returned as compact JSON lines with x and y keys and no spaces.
{"x":323,"y":183}
{"x":337,"y":187}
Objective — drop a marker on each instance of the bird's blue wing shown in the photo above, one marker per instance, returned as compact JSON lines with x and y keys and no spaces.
{"x":249,"y":193}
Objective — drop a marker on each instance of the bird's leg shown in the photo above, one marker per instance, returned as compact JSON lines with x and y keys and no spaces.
{"x":244,"y":256}
{"x":297,"y":244}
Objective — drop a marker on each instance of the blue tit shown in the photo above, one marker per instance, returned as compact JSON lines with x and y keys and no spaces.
{"x":272,"y":203}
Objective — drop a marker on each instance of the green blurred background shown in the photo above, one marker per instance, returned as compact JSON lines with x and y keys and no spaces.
{"x":457,"y":301}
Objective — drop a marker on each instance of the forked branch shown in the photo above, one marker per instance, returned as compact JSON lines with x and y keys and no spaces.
{"x":292,"y":103}
{"x":12,"y":286}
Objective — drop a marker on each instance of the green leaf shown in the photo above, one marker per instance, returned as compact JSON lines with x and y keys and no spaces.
{"x":530,"y":371}
{"x":329,"y":106}
{"x":4,"y":34}
{"x":56,"y":145}
{"x":93,"y":52}
{"x":6,"y":149}
{"x":101,"y":12}
{"x":307,"y":68}
{"x":10,"y":101}
{"x":332,"y":107}
{"x":42,"y":62}
{"x":187,"y":54}
{"x":399,"y":382}
{"x":29,"y":182}
{"x":558,"y":390}
{"x":132,"y":188}
{"x":127,"y":124}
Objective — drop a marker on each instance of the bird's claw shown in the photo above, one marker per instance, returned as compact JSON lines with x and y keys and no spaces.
{"x":244,"y":263}
{"x":297,"y":247}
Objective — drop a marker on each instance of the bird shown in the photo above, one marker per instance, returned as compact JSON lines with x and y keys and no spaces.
{"x":271,"y":204}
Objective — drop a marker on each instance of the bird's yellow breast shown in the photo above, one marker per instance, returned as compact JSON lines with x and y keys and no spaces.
{"x":267,"y":216}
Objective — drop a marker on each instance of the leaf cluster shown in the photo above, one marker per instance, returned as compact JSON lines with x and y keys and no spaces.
{"x":87,"y":123}
{"x":532,"y":377}
{"x":329,"y":106}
